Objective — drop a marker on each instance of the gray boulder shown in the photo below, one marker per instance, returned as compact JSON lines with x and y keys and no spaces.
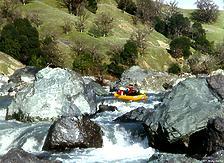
{"x":184,"y":111}
{"x":209,"y":140}
{"x":16,"y":155}
{"x":216,"y":82}
{"x":148,"y":79}
{"x":171,"y":158}
{"x":73,"y":132}
{"x":54,"y":92}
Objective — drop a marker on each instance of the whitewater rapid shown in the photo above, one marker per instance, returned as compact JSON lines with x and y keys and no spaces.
{"x":121,"y":141}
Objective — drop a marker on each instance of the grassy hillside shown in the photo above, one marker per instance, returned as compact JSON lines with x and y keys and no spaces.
{"x":53,"y":17}
{"x":215,"y":31}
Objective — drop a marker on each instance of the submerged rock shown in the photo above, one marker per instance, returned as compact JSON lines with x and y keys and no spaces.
{"x":73,"y":132}
{"x":16,"y":155}
{"x":53,"y":93}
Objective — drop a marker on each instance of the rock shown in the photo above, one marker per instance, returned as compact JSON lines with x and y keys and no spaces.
{"x":4,"y":86}
{"x":217,"y":84}
{"x":215,"y":135}
{"x":103,"y":108}
{"x":55,"y":92}
{"x":137,"y":115}
{"x":217,"y":72}
{"x":72,"y":132}
{"x":217,"y":157}
{"x":208,"y":140}
{"x":8,"y":64}
{"x":148,"y":79}
{"x":171,"y":158}
{"x":184,"y":111}
{"x":134,"y":75}
{"x":18,"y":156}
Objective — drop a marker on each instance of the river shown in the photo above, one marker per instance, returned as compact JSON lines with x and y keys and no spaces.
{"x":122,"y":142}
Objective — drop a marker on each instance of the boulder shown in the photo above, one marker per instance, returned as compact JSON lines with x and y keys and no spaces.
{"x":216,"y":82}
{"x":149,"y":79}
{"x":137,"y":115}
{"x":16,"y":155}
{"x":53,"y":93}
{"x":103,"y":108}
{"x":184,"y":111}
{"x":8,"y":64}
{"x":73,"y":132}
{"x":209,"y":140}
{"x":171,"y":158}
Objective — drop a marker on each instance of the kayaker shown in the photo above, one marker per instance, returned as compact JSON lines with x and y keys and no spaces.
{"x":121,"y":91}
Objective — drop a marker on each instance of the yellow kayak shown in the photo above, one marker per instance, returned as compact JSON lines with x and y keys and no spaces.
{"x":131,"y":98}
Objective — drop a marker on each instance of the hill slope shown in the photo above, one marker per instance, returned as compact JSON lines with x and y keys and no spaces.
{"x":53,"y":17}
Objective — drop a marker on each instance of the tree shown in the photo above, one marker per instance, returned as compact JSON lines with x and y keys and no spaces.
{"x":21,"y":40}
{"x":50,"y":49}
{"x":104,"y":24}
{"x":170,"y":9}
{"x":147,"y":10}
{"x":130,"y":53}
{"x":127,"y":5}
{"x":91,"y":5}
{"x":207,"y":11}
{"x":76,"y":6}
{"x":80,"y":23}
{"x":197,"y":31}
{"x":139,"y":37}
{"x":34,"y":18}
{"x":73,"y":6}
{"x":8,"y":8}
{"x":24,"y":1}
{"x":178,"y":25}
{"x":67,"y":26}
{"x":180,"y":47}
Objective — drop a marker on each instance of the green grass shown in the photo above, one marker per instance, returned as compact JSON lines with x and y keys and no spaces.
{"x":53,"y":17}
{"x":214,"y":31}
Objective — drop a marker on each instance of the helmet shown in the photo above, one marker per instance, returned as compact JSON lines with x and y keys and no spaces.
{"x":122,"y":88}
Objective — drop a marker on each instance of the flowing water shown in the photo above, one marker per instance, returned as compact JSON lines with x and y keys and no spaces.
{"x":122,"y":142}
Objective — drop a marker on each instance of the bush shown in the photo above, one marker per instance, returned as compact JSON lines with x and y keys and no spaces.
{"x":115,"y":69}
{"x":180,"y":47}
{"x":83,"y":63}
{"x":207,"y":11}
{"x":130,"y":53}
{"x":127,"y":5}
{"x":92,"y":6}
{"x":21,"y":40}
{"x":174,"y":68}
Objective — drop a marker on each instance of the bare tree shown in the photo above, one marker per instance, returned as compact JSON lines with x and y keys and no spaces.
{"x":73,"y":6}
{"x":139,"y":37}
{"x":24,"y":1}
{"x":8,"y":8}
{"x":207,"y":11}
{"x":67,"y":26}
{"x":33,"y":16}
{"x":104,"y":24}
{"x":170,"y":9}
{"x":147,"y":10}
{"x":80,"y":23}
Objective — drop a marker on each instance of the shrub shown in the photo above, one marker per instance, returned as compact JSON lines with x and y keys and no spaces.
{"x":91,"y":5}
{"x":130,"y":53}
{"x":180,"y":47}
{"x":127,"y":5}
{"x":21,"y":40}
{"x":174,"y":68}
